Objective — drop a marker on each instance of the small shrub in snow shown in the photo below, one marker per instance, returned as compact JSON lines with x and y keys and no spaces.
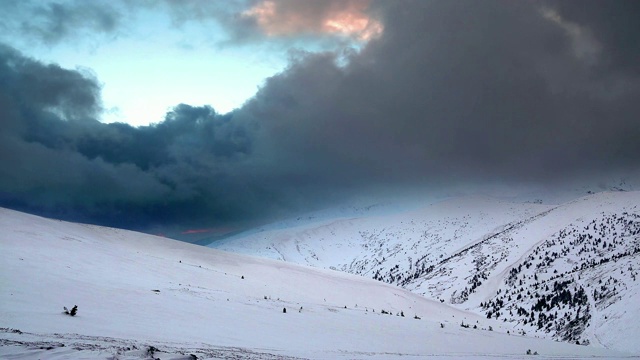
{"x":72,"y":312}
{"x":151,"y":350}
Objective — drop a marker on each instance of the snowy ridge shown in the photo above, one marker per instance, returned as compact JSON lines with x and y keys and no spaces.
{"x":141,"y":296}
{"x":494,"y":257}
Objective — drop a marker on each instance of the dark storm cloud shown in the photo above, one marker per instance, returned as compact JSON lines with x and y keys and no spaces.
{"x":473,"y":89}
{"x":613,"y":24}
{"x":452,"y":92}
{"x":58,"y":160}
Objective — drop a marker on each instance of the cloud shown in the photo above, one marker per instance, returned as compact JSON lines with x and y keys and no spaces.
{"x":614,"y":26}
{"x":287,"y":17}
{"x":54,"y":21}
{"x":450,"y":93}
{"x":282,"y":23}
{"x":57,"y":159}
{"x":476,"y":90}
{"x":272,"y":22}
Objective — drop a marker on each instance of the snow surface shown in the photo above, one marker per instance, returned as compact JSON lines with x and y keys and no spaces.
{"x":141,"y":296}
{"x":462,"y":251}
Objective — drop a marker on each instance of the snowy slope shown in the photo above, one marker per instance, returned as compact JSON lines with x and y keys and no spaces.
{"x":141,"y":296}
{"x":336,"y":242}
{"x":463,"y":251}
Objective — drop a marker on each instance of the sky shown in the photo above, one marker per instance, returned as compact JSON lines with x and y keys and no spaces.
{"x":218,"y":114}
{"x":150,"y":56}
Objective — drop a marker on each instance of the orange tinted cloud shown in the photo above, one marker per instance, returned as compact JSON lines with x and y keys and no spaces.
{"x":291,"y":17}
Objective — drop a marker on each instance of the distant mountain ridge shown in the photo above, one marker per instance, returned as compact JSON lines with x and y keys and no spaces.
{"x":567,"y":271}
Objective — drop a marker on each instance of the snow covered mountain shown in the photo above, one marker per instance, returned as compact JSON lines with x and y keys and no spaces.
{"x":565,"y":271}
{"x":139,"y":296}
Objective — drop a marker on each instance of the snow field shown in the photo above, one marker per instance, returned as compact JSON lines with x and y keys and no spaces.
{"x":134,"y":291}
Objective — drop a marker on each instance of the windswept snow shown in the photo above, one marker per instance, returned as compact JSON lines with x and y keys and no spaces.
{"x":141,"y":296}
